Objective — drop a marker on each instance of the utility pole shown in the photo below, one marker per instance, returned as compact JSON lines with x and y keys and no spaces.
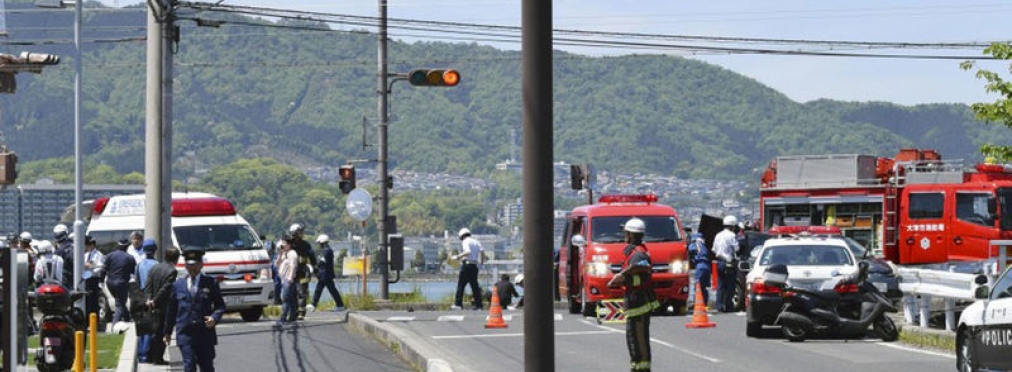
{"x":381,"y":166}
{"x":536,"y":50}
{"x":158,"y":128}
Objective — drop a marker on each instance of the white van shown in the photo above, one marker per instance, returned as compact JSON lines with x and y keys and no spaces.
{"x":235,"y":254}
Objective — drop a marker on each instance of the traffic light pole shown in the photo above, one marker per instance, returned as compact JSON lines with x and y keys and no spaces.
{"x":381,"y":167}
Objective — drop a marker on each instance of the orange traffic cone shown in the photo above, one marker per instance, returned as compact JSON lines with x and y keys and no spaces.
{"x":495,"y":312}
{"x":699,"y":317}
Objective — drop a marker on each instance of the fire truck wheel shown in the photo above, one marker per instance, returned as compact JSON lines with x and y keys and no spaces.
{"x":589,"y":308}
{"x":574,"y":307}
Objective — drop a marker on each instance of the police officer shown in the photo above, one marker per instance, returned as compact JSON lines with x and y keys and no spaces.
{"x":471,"y":254}
{"x":326,"y":275}
{"x":725,"y":248}
{"x":119,"y":267}
{"x":639,"y":296}
{"x":307,"y":264}
{"x":94,"y":273}
{"x":196,"y":305}
{"x":65,"y":249}
{"x":701,"y":258}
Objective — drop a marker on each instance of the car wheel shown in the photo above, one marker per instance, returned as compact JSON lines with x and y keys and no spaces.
{"x":738,"y":300}
{"x":753,"y":329}
{"x":886,"y":329}
{"x":794,"y":333}
{"x":965,"y":358}
{"x":251,"y":315}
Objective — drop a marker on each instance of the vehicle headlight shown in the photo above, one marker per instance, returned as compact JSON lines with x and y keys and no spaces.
{"x":679,"y":266}
{"x":265,"y":273}
{"x":598,"y":268}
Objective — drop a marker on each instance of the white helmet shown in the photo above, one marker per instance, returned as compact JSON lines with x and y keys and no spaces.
{"x":730,"y":221}
{"x":462,"y":232}
{"x":296,"y":227}
{"x":26,"y":236}
{"x":45,"y":247}
{"x":60,"y":232}
{"x":322,"y":239}
{"x":519,"y":280}
{"x":635,"y":225}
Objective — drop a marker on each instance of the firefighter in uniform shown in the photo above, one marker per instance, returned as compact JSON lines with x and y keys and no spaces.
{"x":639,"y":297}
{"x":306,"y":267}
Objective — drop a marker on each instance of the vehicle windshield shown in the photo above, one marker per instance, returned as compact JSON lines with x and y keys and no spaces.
{"x":659,"y":229}
{"x":856,"y":248}
{"x":805,"y":255}
{"x":217,"y":237}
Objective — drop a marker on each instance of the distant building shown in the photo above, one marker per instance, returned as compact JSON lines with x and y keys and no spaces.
{"x":37,"y":208}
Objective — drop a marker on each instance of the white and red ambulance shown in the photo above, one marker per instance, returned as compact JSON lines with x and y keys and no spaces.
{"x":235,"y":254}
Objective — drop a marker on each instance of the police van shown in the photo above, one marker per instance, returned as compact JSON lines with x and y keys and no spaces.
{"x":984,"y":334}
{"x":235,"y":254}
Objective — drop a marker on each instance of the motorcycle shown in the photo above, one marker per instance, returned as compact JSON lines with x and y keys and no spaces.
{"x":814,"y":312}
{"x":60,"y":320}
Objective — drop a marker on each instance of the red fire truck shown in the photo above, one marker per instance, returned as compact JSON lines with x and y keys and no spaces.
{"x":914,"y":208}
{"x":593,"y":241}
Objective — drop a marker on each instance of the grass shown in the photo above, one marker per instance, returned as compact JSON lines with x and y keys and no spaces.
{"x":358,"y":302}
{"x":109,"y":346}
{"x":930,"y":340}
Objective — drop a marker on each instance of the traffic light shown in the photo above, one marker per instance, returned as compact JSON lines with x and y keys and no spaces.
{"x":434,"y":77}
{"x":8,"y":167}
{"x":347,"y":173}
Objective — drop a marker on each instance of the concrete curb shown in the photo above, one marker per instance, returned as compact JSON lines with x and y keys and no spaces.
{"x":128,"y":353}
{"x":417,"y":354}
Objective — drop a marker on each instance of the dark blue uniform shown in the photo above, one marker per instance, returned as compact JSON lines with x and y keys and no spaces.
{"x":325,"y":279}
{"x":119,"y":266}
{"x":190,"y":304}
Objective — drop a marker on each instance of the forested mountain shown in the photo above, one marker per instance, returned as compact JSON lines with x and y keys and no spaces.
{"x":301,"y":96}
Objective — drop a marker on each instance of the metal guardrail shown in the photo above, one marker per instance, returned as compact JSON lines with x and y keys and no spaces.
{"x":921,"y":285}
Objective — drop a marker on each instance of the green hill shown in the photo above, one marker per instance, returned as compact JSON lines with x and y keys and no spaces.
{"x":301,"y":97}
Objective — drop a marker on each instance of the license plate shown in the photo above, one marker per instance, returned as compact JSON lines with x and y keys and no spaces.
{"x":233,"y":300}
{"x":882,"y":287}
{"x":52,"y":341}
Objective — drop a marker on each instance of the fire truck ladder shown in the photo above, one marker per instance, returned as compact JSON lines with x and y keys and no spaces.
{"x":890,"y":216}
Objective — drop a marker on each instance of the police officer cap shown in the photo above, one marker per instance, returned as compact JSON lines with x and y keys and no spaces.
{"x":122,"y":243}
{"x":193,"y":255}
{"x":88,"y":240}
{"x":149,"y":246}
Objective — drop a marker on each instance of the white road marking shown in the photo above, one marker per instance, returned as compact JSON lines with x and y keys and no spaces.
{"x":916,"y":350}
{"x":583,"y":333}
{"x":450,"y":318}
{"x":400,"y":319}
{"x":662,"y":343}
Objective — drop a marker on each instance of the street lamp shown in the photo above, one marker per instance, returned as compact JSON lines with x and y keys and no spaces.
{"x":78,"y":184}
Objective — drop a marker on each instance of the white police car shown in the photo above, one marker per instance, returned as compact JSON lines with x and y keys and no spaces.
{"x":984,"y":334}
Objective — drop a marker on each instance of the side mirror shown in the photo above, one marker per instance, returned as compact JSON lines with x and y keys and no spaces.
{"x":992,"y":206}
{"x":578,"y":240}
{"x":981,"y":292}
{"x":744,"y":266}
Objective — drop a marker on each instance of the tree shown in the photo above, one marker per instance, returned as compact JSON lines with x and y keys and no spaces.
{"x":999,"y":111}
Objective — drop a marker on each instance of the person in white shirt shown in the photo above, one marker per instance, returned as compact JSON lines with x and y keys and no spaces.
{"x":725,"y":246}
{"x":287,"y":263}
{"x":94,"y":270}
{"x":134,"y":249}
{"x":471,"y":255}
{"x":49,"y":267}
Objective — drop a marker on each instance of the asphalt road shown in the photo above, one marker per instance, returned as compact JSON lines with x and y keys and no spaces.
{"x":583,"y":345}
{"x":323,"y":342}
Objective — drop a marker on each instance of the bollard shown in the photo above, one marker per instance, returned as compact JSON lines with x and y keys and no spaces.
{"x":79,"y":351}
{"x":93,"y":342}
{"x":925,"y":308}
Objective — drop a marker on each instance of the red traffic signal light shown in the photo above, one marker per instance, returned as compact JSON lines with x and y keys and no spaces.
{"x":434,"y":77}
{"x":347,"y":182}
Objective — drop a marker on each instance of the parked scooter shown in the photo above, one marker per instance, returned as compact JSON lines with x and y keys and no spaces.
{"x":60,"y":320}
{"x":814,"y":312}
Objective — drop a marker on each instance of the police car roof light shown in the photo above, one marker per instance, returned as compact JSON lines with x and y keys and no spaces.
{"x":99,"y":205}
{"x":628,"y":198}
{"x":210,"y":206}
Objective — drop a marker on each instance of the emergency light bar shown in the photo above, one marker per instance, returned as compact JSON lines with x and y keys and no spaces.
{"x":795,"y":230}
{"x":99,"y":205}
{"x":194,"y":207}
{"x":628,"y":198}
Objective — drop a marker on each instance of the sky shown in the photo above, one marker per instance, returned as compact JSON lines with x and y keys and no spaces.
{"x":801,"y":78}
